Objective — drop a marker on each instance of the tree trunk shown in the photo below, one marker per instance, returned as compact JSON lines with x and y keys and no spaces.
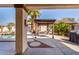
{"x":33,"y":24}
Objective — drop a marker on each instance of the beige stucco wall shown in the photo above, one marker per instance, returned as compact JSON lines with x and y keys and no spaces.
{"x":76,"y":27}
{"x":43,"y":28}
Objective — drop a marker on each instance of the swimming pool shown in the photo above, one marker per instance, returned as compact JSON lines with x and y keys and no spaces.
{"x":7,"y":36}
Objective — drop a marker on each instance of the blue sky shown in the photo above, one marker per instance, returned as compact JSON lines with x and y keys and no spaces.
{"x":7,"y":15}
{"x":59,"y":13}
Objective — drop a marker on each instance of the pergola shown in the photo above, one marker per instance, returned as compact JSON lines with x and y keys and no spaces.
{"x":21,"y":12}
{"x":45,"y":22}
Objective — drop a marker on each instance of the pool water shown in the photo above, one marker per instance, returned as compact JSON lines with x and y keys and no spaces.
{"x":7,"y":36}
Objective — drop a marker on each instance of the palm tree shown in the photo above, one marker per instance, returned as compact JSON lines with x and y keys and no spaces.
{"x":34,"y":13}
{"x":10,"y":25}
{"x":1,"y":27}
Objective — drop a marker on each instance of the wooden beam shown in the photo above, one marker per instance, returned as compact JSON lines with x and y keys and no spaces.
{"x":6,"y":5}
{"x":18,"y":5}
{"x":21,"y":42}
{"x":41,"y":6}
{"x":52,"y":6}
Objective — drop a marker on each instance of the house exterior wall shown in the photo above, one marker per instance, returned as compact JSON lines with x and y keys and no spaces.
{"x":76,"y":27}
{"x":43,"y":28}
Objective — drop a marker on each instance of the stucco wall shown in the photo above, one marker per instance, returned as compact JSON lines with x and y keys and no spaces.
{"x":76,"y":27}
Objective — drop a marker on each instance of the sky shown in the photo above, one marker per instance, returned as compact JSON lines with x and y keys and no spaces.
{"x":8,"y":15}
{"x":59,"y":14}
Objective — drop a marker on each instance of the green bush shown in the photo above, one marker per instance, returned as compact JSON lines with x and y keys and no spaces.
{"x":62,"y":28}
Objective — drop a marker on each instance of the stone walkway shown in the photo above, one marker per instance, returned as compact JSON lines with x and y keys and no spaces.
{"x":60,"y":47}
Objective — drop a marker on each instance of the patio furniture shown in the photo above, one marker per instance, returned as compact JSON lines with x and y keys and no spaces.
{"x":74,"y":37}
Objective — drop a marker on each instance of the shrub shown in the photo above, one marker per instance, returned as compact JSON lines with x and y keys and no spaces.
{"x":62,"y":28}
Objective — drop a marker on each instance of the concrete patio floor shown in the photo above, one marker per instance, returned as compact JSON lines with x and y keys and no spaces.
{"x":60,"y":47}
{"x":7,"y":48}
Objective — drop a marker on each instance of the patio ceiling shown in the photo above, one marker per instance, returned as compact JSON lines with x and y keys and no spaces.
{"x":6,"y":5}
{"x":51,"y":6}
{"x":43,"y":6}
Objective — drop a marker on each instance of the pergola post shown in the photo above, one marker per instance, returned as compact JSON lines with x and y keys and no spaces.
{"x":36,"y":28}
{"x":53,"y":31}
{"x":21,"y":42}
{"x":47,"y":28}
